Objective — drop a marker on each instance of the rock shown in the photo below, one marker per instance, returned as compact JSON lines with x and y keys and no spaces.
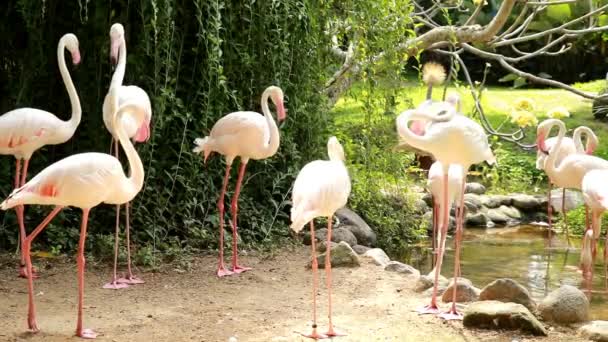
{"x":475,"y":188}
{"x":470,"y":207}
{"x":476,"y":220}
{"x":396,"y":266}
{"x":511,"y":212}
{"x":428,"y":199}
{"x":595,"y":331}
{"x":320,"y":235}
{"x":539,"y":216}
{"x":498,"y":315}
{"x":473,"y":200}
{"x":360,"y":249}
{"x":377,"y":256}
{"x":498,"y":217}
{"x":526,"y":202}
{"x":322,"y":246}
{"x":574,"y":199}
{"x":491,"y":201}
{"x":440,"y":290}
{"x":508,"y":290}
{"x":428,"y":220}
{"x":426,"y":282}
{"x":565,"y":305}
{"x":466,"y":292}
{"x":363,"y":232}
{"x":420,"y":206}
{"x":341,"y":256}
{"x":343,"y":234}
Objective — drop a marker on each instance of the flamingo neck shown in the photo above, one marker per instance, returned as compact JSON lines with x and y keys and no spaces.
{"x":74,"y":120}
{"x":419,"y":141}
{"x":275,"y":137}
{"x":591,"y":140}
{"x":551,"y":168}
{"x":119,"y":73}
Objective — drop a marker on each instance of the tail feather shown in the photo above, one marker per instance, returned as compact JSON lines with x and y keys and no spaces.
{"x":300,"y":216}
{"x":200,"y":144}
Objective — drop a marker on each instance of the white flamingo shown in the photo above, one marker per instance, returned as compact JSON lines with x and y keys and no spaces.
{"x":451,"y":139}
{"x":321,"y":188}
{"x":595,"y":192}
{"x":250,"y":136}
{"x":135,"y":96}
{"x":84,"y":181}
{"x":25,"y":130}
{"x":568,"y":146}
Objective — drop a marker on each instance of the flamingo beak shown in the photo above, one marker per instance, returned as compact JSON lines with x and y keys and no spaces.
{"x":115,"y":45}
{"x":76,"y":57}
{"x":281,"y":115}
{"x":143,"y":133}
{"x":540,"y":142}
{"x":418,"y":127}
{"x":590,"y":148}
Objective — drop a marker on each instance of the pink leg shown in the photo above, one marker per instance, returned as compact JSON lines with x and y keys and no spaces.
{"x":130,"y":279}
{"x":315,"y":283}
{"x":453,"y":313}
{"x":433,"y":308}
{"x":565,"y":216}
{"x":549,"y":212}
{"x":27,"y":245}
{"x":80,"y":332}
{"x":331,"y":332}
{"x":236,"y":268}
{"x":221,"y":270}
{"x":114,"y":284}
{"x":434,"y":242}
{"x":19,"y":182}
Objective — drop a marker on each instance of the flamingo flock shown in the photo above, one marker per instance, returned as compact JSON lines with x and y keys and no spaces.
{"x":86,"y":180}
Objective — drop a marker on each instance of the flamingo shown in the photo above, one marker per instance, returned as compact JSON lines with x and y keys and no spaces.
{"x":595,"y":193}
{"x":568,"y":146}
{"x":26,"y":130}
{"x":452,"y":139}
{"x":84,"y":181}
{"x":250,"y":136}
{"x":321,"y":188}
{"x":133,"y":95}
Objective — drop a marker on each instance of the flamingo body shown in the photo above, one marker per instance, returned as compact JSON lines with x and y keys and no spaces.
{"x":130,"y":95}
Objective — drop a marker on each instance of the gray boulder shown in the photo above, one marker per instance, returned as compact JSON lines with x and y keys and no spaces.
{"x":465,"y":291}
{"x":360,"y":249}
{"x":565,"y":305}
{"x":574,"y":199}
{"x":474,"y":188}
{"x":491,"y":201}
{"x":511,"y":212}
{"x":595,"y":331}
{"x":341,"y":256}
{"x":322,"y":246}
{"x":426,"y":282}
{"x":526,"y":202}
{"x":420,"y":206}
{"x":363,"y":232}
{"x":497,"y":216}
{"x":428,"y":221}
{"x":343,"y":234}
{"x":476,"y":220}
{"x":508,"y":290}
{"x":428,"y":199}
{"x":498,"y":315}
{"x":377,"y":256}
{"x":396,"y":266}
{"x":473,"y":200}
{"x":320,"y":235}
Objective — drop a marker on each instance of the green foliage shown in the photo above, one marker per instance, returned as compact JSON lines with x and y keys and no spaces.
{"x":198,"y":60}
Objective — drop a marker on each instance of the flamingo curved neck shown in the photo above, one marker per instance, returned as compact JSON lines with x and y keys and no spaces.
{"x":591,"y":139}
{"x":74,"y":120}
{"x":552,"y":158}
{"x":275,"y":137}
{"x":119,"y":73}
{"x":422,"y":142}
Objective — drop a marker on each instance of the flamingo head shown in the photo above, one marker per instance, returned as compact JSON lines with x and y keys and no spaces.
{"x":276,"y":95}
{"x":143,"y":132}
{"x":418,"y":127}
{"x":71,"y":44}
{"x":591,"y":146}
{"x":542,"y":131}
{"x":117,"y":35}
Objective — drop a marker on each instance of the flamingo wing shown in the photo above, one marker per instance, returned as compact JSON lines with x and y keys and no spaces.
{"x":242,"y":124}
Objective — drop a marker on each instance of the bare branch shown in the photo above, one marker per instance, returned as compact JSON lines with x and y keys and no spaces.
{"x":549,"y":3}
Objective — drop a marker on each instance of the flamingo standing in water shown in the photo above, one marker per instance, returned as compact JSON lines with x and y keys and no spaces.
{"x":25,"y":130}
{"x":321,"y":188}
{"x":84,"y":181}
{"x":452,"y":139}
{"x":250,"y":136}
{"x":132,"y":95}
{"x":568,"y":146}
{"x":595,"y":192}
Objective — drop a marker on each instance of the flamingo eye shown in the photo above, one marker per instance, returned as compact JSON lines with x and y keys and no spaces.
{"x":442,"y":113}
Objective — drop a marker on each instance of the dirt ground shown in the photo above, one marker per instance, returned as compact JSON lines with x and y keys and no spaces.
{"x":270,"y":303}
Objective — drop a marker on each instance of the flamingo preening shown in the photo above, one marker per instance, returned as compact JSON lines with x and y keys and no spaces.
{"x":453,"y":140}
{"x":568,"y":146}
{"x":321,"y":188}
{"x":25,"y":130}
{"x":248,"y":135}
{"x":138,"y":99}
{"x":84,"y":181}
{"x":595,"y":192}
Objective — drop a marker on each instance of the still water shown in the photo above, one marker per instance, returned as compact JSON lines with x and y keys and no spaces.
{"x":520,"y":253}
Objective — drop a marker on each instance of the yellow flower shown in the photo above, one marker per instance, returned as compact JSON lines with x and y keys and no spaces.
{"x":523,"y":118}
{"x":558,"y":113}
{"x":433,"y":73}
{"x":525,"y":104}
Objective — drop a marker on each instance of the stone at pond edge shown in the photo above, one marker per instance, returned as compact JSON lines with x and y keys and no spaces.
{"x":320,"y":235}
{"x":476,"y":220}
{"x":322,"y":246}
{"x":363,"y":232}
{"x":359,"y":249}
{"x":473,"y":200}
{"x":466,"y":292}
{"x":493,"y":314}
{"x":474,"y":188}
{"x":565,"y":305}
{"x":595,"y":331}
{"x":377,"y":256}
{"x":492,"y":201}
{"x":508,"y":290}
{"x":420,"y":206}
{"x":511,"y":212}
{"x":427,"y":219}
{"x":498,"y":216}
{"x":341,"y":256}
{"x":426,"y":282}
{"x":343,"y":234}
{"x":526,"y":202}
{"x":398,"y":267}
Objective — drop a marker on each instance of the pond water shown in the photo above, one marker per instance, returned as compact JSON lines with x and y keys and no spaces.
{"x":520,"y":253}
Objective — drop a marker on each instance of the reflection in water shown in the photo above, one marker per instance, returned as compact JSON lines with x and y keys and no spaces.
{"x":519,"y":253}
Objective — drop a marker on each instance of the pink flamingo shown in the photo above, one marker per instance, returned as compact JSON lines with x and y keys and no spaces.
{"x":250,"y":136}
{"x":84,"y":181}
{"x":26,"y":130}
{"x":568,"y":146}
{"x":321,"y":188}
{"x":595,"y":193}
{"x":136,"y":96}
{"x":452,"y":139}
